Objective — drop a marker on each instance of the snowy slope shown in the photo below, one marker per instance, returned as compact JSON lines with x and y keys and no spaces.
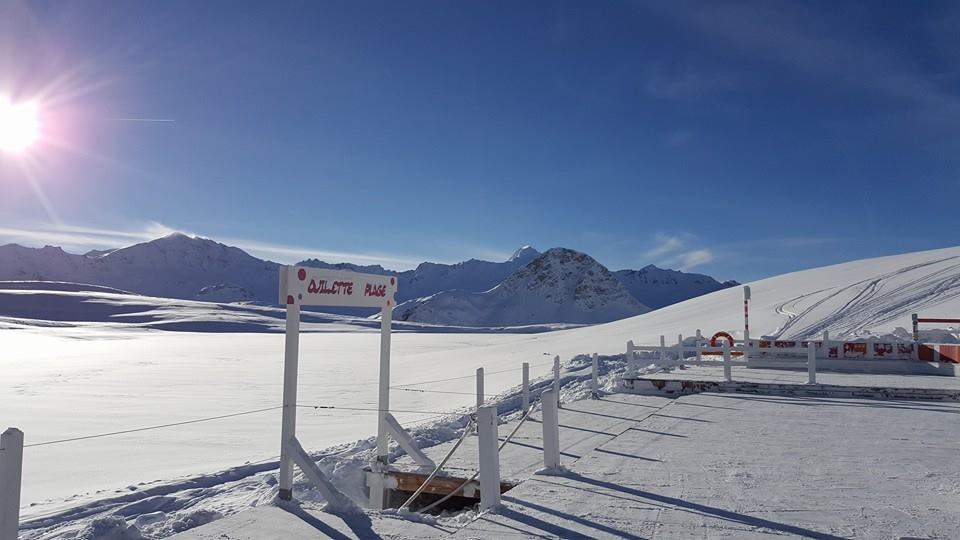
{"x":26,"y":304}
{"x":658,"y":287}
{"x":59,"y":381}
{"x":562,"y":285}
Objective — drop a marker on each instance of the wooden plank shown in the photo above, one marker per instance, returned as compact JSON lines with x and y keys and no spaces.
{"x":440,"y":485}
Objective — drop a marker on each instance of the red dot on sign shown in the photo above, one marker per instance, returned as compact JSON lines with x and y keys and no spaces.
{"x":393,"y":281}
{"x":289,"y":298}
{"x":302,"y":274}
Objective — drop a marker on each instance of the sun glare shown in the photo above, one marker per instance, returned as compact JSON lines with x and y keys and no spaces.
{"x":19,"y":125}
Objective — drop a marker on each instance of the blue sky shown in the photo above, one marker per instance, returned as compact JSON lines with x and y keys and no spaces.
{"x":740,"y":139}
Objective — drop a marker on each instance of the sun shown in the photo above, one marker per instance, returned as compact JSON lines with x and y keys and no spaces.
{"x":19,"y":125}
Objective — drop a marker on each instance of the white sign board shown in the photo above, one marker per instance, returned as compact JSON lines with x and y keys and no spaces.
{"x":304,"y":286}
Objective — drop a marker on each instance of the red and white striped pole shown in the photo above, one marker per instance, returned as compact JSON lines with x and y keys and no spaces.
{"x":746,"y":322}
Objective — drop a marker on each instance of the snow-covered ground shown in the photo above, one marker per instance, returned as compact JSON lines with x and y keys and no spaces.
{"x":62,"y":382}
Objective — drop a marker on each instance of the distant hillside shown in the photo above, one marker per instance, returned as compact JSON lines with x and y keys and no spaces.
{"x":659,"y":287}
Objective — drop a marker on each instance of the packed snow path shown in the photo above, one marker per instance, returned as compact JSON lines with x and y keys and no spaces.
{"x":701,"y":466}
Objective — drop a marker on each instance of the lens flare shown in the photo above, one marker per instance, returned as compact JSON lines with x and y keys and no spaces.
{"x":19,"y":125}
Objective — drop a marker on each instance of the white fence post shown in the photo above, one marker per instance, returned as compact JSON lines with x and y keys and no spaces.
{"x":526,"y":387}
{"x":631,"y":366}
{"x":551,"y":430}
{"x":811,"y":362}
{"x":594,"y":368}
{"x":556,"y":377}
{"x":727,"y":376}
{"x":479,"y":388}
{"x":699,"y":344}
{"x":489,"y":457}
{"x":11,"y":466}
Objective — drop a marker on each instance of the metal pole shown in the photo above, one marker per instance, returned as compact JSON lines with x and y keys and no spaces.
{"x":479,"y":388}
{"x":526,"y":386}
{"x":489,"y":457}
{"x":812,"y":362}
{"x":11,"y":473}
{"x":556,"y":377}
{"x":663,"y":350}
{"x":746,"y":323}
{"x":699,"y":345}
{"x":288,"y":428}
{"x":551,"y":430}
{"x":596,"y":380}
{"x":631,"y":367}
{"x":727,"y":375}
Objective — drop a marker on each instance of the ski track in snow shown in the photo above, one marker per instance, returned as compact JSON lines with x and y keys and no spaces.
{"x":874,"y":301}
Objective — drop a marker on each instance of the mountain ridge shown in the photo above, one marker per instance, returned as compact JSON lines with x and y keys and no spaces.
{"x":196,"y":268}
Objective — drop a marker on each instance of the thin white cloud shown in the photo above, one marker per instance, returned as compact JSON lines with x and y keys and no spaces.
{"x":665,"y":244}
{"x":692,"y":259}
{"x":787,"y":33}
{"x":290,"y":253}
{"x":77,"y":238}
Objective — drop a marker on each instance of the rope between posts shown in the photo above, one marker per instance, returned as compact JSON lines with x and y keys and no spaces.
{"x":474,"y":477}
{"x":440,"y":391}
{"x":466,"y":432}
{"x":371,"y":409}
{"x":397,"y":387}
{"x":147,"y":428}
{"x":317,"y":407}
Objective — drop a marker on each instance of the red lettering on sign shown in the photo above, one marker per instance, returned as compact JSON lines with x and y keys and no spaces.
{"x":344,"y":288}
{"x":375,"y":290}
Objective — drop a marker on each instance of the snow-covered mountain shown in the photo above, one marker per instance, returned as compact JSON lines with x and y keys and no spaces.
{"x":659,"y":287}
{"x":193,"y":268}
{"x":174,"y":266}
{"x":561,"y":285}
{"x":430,"y":278}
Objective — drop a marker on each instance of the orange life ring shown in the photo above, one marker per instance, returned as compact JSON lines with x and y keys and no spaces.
{"x":713,"y":340}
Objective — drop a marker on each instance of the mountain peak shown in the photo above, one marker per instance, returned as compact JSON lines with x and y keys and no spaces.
{"x":561,"y":285}
{"x":526,"y":253}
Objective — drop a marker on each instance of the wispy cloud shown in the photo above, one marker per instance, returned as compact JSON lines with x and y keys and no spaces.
{"x":78,"y":238}
{"x":664,"y":244}
{"x":695,"y":258}
{"x":81,"y":238}
{"x":684,"y":83}
{"x":787,"y":33}
{"x":675,"y":251}
{"x":294,"y":253}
